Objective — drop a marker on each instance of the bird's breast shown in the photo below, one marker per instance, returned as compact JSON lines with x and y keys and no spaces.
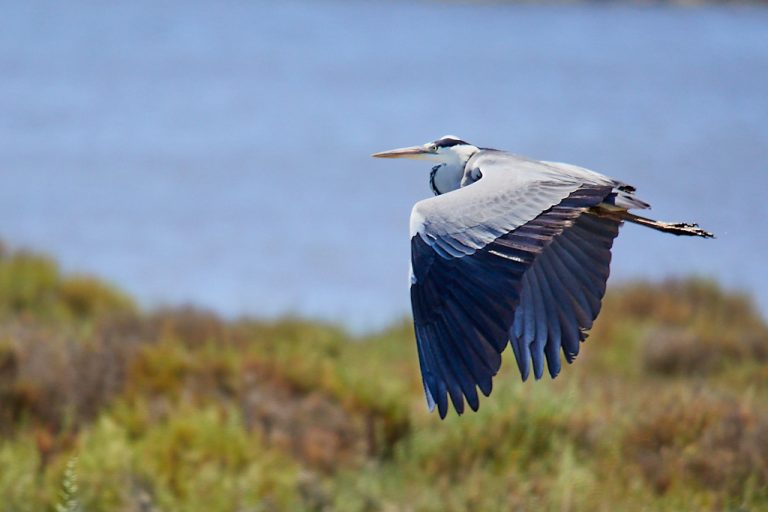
{"x":445,"y":178}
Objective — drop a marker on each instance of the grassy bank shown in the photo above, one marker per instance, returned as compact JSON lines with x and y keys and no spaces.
{"x":110,"y":408}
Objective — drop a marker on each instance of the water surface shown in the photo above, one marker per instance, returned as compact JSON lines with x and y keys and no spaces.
{"x":218,"y":154}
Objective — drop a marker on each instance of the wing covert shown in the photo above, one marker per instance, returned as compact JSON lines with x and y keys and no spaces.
{"x":512,"y":191}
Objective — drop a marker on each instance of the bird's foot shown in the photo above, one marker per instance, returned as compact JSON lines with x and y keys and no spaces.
{"x":688,"y":228}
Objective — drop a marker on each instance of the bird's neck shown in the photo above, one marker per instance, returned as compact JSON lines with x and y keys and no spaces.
{"x":448,"y":175}
{"x":445,"y":177}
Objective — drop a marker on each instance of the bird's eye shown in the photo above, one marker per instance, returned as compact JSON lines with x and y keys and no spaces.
{"x":434,"y":148}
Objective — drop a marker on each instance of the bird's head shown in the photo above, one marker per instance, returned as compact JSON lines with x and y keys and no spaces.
{"x":447,"y":150}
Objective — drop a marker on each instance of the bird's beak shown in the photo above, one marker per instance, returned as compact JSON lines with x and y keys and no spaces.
{"x":417,"y":152}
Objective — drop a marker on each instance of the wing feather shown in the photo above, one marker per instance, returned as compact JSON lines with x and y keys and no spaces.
{"x":476,"y":283}
{"x":565,"y":285}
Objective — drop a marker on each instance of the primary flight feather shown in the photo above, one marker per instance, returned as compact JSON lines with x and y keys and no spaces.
{"x":510,"y":250}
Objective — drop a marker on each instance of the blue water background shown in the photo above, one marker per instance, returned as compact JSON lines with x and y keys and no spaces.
{"x":216,"y":153}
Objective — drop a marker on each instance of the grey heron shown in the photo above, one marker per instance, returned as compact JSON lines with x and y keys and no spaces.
{"x":510,"y":250}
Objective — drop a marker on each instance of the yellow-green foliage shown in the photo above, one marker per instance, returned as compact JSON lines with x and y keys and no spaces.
{"x":31,"y":285}
{"x":686,"y":327}
{"x":666,"y":408}
{"x":19,"y":479}
{"x":197,"y":459}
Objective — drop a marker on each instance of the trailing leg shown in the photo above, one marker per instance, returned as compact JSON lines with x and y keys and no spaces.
{"x":675,"y":228}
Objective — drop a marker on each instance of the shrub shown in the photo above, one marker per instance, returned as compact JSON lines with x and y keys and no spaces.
{"x":32,"y":286}
{"x":688,"y":327}
{"x":715,"y":441}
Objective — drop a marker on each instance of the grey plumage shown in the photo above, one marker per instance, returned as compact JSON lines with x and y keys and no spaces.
{"x":517,"y":251}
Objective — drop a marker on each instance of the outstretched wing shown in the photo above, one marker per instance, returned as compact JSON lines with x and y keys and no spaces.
{"x":472,"y":253}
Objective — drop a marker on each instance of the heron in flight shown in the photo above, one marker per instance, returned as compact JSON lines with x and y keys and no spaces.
{"x":510,"y":250}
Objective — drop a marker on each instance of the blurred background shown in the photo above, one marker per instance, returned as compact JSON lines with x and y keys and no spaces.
{"x":218,"y":154}
{"x":209,"y":160}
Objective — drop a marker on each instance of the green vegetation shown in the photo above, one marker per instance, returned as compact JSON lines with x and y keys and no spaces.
{"x":107,"y":408}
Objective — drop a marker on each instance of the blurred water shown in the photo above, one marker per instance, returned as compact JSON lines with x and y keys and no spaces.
{"x":217,"y":154}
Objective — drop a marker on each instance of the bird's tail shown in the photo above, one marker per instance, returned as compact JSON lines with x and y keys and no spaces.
{"x":676,"y":228}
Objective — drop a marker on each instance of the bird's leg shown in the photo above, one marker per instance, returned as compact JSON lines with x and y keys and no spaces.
{"x":675,"y":228}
